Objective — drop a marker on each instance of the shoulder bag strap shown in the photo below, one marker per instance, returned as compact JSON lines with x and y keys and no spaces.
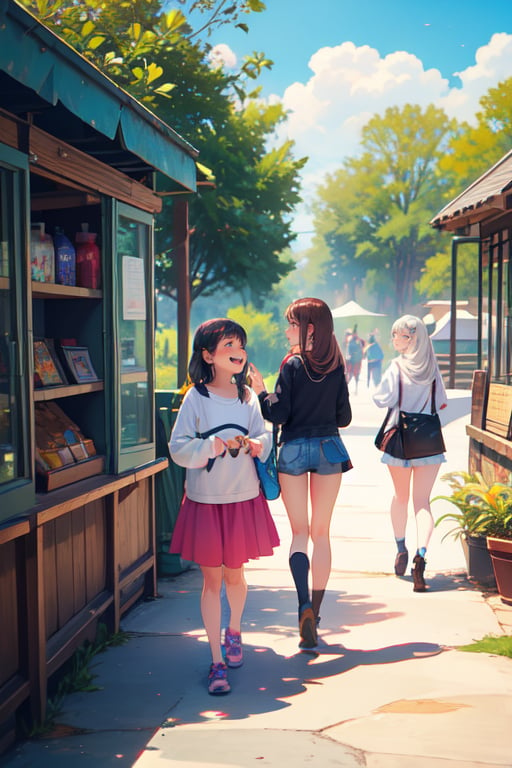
{"x":433,"y":400}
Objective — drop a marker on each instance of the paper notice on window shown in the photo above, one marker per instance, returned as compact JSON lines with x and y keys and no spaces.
{"x":134,"y":289}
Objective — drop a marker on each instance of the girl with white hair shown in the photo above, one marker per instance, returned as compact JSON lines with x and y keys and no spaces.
{"x":407,"y":385}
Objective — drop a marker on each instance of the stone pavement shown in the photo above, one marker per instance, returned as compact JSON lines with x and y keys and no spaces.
{"x":388,"y":688}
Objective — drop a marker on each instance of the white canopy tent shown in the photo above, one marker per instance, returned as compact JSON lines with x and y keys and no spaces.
{"x":353,"y":309}
{"x":466,"y":327}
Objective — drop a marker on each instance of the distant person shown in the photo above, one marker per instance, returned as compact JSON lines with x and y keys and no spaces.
{"x":355,"y":351}
{"x":344,"y":346}
{"x":224,"y":519}
{"x":374,"y":356}
{"x":310,"y":402}
{"x":408,"y":381}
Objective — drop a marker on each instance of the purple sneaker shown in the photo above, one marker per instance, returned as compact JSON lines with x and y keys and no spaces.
{"x":218,"y":679}
{"x":233,"y":648}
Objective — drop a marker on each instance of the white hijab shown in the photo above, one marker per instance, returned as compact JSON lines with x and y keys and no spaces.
{"x":419,"y":361}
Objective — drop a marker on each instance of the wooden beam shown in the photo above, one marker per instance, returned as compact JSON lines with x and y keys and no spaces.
{"x":181,"y":247}
{"x":67,"y":163}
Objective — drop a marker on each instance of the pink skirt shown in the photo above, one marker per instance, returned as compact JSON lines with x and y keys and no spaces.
{"x":224,"y":534}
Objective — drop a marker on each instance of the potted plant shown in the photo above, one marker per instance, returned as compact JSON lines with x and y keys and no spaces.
{"x":470,"y":518}
{"x":498,"y":530}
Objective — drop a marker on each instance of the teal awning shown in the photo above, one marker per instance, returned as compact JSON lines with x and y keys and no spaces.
{"x":34,"y":56}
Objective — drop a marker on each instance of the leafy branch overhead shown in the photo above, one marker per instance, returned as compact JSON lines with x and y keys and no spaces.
{"x":241,"y":223}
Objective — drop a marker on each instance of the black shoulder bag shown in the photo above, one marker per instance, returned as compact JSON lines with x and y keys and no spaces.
{"x":421,"y":432}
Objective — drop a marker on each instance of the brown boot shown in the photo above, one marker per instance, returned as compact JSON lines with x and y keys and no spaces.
{"x":307,"y":627}
{"x":417,"y":574}
{"x":401,"y":560}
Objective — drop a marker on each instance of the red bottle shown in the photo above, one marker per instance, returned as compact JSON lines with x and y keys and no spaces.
{"x":88,"y":266}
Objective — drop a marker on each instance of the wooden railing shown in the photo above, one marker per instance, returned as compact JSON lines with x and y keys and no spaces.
{"x":465,"y":364}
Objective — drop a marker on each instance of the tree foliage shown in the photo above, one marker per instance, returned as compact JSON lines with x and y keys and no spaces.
{"x":373,"y":213}
{"x":475,"y":149}
{"x":436,"y":279}
{"x":239,"y":227}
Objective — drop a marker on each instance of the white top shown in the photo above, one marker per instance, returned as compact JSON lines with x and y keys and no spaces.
{"x":227,"y":479}
{"x":416,"y":398}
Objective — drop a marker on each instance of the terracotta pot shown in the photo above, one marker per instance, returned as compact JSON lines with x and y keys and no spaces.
{"x":478,"y":560}
{"x":501,"y":556}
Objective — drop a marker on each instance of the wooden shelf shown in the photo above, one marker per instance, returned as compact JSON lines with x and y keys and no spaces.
{"x":68,"y":390}
{"x":56,"y":291}
{"x":62,"y":199}
{"x":5,"y":283}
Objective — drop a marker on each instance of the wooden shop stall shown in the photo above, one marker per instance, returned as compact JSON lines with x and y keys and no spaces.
{"x":482,"y":215}
{"x":78,"y":162}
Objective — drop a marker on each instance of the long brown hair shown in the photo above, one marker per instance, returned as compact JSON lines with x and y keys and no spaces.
{"x":324,"y":354}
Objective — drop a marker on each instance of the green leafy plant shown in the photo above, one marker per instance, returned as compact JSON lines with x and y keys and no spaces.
{"x":482,"y":509}
{"x":497,"y":646}
{"x":78,"y":677}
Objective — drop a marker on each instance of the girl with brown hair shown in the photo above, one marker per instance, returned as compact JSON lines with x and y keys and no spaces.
{"x":310,"y":402}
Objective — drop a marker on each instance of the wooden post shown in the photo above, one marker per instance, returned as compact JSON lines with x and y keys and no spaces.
{"x":181,"y":244}
{"x":453,"y":316}
{"x":456,"y":241}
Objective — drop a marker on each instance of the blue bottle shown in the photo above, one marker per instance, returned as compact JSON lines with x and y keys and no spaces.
{"x":65,"y":258}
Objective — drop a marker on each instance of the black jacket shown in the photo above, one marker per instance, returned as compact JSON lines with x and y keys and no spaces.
{"x":307,"y":404}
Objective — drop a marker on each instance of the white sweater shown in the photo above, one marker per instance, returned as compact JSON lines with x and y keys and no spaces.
{"x":227,"y":479}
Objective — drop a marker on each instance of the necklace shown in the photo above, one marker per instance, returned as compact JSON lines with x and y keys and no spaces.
{"x":315,"y":381}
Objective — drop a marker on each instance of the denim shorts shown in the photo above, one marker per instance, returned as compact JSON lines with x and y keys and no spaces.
{"x":323,"y":455}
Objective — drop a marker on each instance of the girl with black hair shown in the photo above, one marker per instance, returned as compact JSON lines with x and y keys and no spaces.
{"x":224,"y":519}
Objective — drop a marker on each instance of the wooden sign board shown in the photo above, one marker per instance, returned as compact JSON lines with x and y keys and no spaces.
{"x":499,"y":410}
{"x":478,"y":398}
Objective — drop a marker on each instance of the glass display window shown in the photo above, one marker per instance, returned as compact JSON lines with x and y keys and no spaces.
{"x":135,"y":342}
{"x":15,"y":472}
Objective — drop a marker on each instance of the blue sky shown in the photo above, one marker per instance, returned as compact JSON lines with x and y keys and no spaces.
{"x":444,"y":34}
{"x":338,"y":62}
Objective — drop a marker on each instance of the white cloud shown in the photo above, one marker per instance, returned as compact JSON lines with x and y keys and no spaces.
{"x":493,"y":64}
{"x":349,"y":84}
{"x":222,"y":56}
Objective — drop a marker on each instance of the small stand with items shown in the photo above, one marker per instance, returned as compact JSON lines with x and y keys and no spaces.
{"x":63,"y":454}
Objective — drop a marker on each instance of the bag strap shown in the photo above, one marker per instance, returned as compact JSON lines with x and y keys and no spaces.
{"x":433,"y":400}
{"x":432,"y":396}
{"x":214,"y":431}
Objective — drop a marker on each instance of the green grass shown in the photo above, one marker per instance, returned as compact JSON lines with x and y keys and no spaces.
{"x":76,"y":675}
{"x":498,"y":646}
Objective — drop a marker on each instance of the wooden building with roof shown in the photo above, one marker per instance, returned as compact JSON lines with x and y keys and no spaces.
{"x":482,"y":214}
{"x":78,"y":457}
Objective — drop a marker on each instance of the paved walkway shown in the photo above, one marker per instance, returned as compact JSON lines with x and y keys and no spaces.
{"x":388,"y":688}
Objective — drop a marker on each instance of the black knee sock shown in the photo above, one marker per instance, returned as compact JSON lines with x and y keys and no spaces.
{"x":316,"y":600}
{"x":299,"y":566}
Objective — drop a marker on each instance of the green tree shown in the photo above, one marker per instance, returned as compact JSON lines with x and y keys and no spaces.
{"x":125,"y":38}
{"x":240,"y":227}
{"x":436,"y":279}
{"x":476,"y":148}
{"x":166,"y":359}
{"x":266,"y":342}
{"x":374,"y":212}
